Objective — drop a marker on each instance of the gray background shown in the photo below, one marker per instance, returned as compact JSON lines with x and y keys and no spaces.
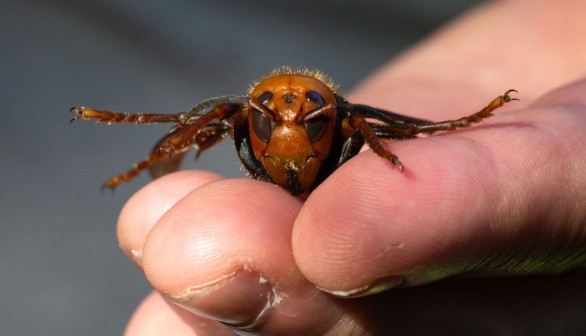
{"x":61,"y":271}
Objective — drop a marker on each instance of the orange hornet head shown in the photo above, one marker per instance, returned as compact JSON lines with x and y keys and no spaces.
{"x":291,"y":120}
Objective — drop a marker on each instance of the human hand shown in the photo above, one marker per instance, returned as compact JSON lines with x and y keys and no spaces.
{"x":503,"y":197}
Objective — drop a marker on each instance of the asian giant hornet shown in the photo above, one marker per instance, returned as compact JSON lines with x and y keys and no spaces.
{"x":291,"y":129}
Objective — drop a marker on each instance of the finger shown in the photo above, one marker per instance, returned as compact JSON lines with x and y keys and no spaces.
{"x":155,"y":317}
{"x":434,"y":68}
{"x":490,"y":199}
{"x":143,"y":210}
{"x":223,"y":252}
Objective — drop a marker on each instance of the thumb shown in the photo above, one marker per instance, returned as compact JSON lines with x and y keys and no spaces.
{"x":504,"y":197}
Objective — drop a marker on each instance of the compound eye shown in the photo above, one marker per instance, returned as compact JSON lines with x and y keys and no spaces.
{"x":265,"y":98}
{"x":315,"y":97}
{"x":261,"y":125}
{"x":316,"y":127}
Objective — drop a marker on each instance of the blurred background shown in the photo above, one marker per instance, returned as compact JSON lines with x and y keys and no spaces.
{"x":61,"y":271}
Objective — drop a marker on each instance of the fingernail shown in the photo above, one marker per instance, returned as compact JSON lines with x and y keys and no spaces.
{"x":378,"y":286}
{"x":239,"y":299}
{"x":134,"y":255}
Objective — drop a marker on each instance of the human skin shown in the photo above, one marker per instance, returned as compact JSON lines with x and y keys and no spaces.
{"x":505,"y":197}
